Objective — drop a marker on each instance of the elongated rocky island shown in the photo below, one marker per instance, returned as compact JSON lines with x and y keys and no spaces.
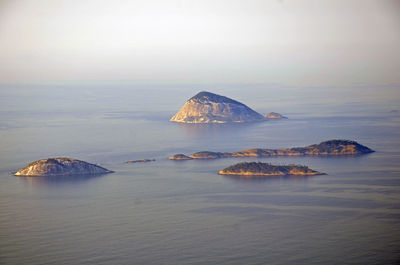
{"x":60,"y":166}
{"x":249,"y":169}
{"x":206,"y":107}
{"x":327,"y":148}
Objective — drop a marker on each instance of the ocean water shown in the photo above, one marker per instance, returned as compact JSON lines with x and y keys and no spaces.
{"x":182,"y":212}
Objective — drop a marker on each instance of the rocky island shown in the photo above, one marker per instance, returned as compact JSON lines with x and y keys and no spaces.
{"x":327,"y":148}
{"x":206,"y":107}
{"x":60,"y":166}
{"x":254,"y":169}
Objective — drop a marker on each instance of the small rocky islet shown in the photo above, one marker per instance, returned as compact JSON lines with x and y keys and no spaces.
{"x":258,"y":169}
{"x":327,"y":148}
{"x":274,"y":116}
{"x":61,"y":166}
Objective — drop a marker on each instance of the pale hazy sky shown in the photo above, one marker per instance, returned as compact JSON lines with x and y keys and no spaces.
{"x":209,"y":41}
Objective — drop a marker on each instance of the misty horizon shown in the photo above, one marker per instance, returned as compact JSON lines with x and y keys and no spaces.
{"x":285,"y":42}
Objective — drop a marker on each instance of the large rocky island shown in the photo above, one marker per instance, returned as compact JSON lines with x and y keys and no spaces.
{"x":327,"y":148}
{"x":60,"y":166}
{"x":206,"y":107}
{"x":254,"y":169}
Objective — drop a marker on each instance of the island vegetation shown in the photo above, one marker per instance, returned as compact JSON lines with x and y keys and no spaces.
{"x":180,"y":157}
{"x":266,"y":169}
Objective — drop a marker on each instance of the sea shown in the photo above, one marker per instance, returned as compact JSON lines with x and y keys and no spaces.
{"x":183,"y":212}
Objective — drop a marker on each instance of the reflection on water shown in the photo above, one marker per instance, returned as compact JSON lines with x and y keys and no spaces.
{"x":60,"y":179}
{"x":214,"y":129}
{"x":261,"y":178}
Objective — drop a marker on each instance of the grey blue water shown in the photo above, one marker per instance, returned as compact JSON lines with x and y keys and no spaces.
{"x":182,"y":212}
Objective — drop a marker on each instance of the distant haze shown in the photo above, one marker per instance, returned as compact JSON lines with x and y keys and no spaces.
{"x":228,"y":41}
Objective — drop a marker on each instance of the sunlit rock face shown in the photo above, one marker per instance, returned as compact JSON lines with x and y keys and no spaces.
{"x":60,"y":166}
{"x":206,"y":107}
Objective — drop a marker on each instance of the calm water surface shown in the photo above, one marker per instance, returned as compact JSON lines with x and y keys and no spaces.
{"x":170,"y":212}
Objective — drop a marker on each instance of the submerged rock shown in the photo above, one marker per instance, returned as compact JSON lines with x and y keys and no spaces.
{"x":206,"y":107}
{"x":144,"y":160}
{"x":327,"y":148}
{"x":61,"y":166}
{"x":249,"y":169}
{"x":274,"y":115}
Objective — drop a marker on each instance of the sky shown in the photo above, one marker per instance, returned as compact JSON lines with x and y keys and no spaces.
{"x":296,"y":42}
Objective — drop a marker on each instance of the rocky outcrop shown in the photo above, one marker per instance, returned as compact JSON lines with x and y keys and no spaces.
{"x":254,"y":169}
{"x":274,"y":116}
{"x":180,"y":157}
{"x":327,"y":148}
{"x":61,"y":166}
{"x":209,"y":155}
{"x":206,"y":107}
